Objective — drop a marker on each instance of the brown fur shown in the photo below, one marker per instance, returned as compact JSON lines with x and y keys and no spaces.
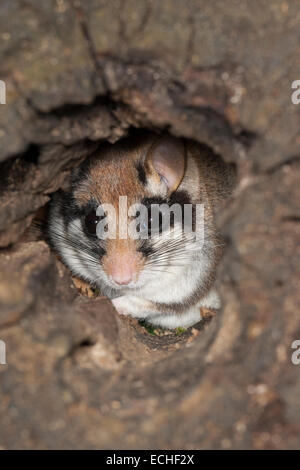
{"x":115,"y":175}
{"x":138,"y":169}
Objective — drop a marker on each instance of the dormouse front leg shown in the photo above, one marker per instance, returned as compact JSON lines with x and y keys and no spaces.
{"x":134,"y":306}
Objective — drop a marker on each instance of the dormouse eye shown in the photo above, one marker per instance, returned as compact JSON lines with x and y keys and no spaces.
{"x":91,"y":221}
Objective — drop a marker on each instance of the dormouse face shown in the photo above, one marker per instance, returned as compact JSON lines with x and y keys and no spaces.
{"x":113,"y":227}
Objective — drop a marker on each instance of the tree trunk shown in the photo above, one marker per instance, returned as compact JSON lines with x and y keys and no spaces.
{"x":76,"y":73}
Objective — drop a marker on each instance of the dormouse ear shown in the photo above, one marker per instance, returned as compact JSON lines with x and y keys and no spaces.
{"x":166,"y":161}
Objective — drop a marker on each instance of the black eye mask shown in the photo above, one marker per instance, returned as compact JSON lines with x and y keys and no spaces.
{"x":90,"y":222}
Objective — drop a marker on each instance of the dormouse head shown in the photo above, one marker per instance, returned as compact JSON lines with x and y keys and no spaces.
{"x":121,"y":223}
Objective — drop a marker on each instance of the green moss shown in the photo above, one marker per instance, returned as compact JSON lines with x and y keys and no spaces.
{"x":150,"y":328}
{"x":179,"y":330}
{"x":158,"y":331}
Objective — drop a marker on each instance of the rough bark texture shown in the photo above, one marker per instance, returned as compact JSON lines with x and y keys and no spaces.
{"x":78,"y":375}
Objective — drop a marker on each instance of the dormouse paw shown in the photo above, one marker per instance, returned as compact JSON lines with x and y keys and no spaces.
{"x":133,"y":306}
{"x":122,"y":305}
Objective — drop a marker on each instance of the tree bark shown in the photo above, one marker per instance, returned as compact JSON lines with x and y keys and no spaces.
{"x":76,"y":73}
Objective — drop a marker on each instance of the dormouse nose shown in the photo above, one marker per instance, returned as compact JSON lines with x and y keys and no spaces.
{"x":123,"y":270}
{"x":121,"y":279}
{"x":122,"y":262}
